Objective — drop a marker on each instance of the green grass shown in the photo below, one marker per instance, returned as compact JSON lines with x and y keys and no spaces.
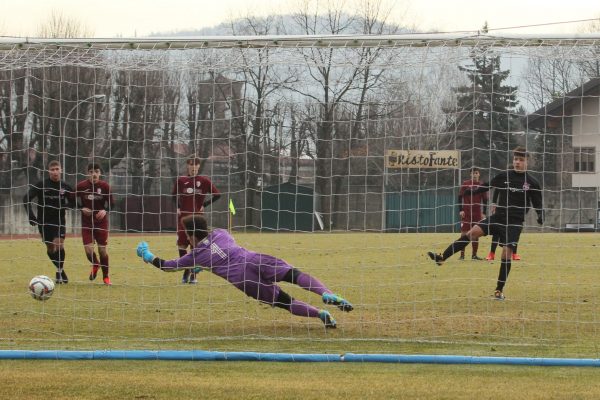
{"x":404,"y":305}
{"x":239,"y":380}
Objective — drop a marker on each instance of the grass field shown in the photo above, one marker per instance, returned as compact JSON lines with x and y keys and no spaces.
{"x":404,"y":304}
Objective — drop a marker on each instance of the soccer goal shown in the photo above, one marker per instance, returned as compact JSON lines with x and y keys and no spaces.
{"x":343,"y":155}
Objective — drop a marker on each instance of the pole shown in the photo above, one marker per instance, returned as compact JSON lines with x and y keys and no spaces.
{"x":63,"y":132}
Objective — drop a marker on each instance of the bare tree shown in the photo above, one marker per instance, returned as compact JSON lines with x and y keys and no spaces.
{"x":590,"y":59}
{"x":13,"y":116}
{"x":59,"y":25}
{"x":341,"y":78}
{"x":262,"y":81}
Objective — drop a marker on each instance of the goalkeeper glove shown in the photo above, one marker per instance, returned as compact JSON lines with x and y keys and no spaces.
{"x":197,"y":270}
{"x":143,"y":252}
{"x":540,"y":218}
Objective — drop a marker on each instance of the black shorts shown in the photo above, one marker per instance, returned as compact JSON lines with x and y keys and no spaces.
{"x":507,"y":234}
{"x":49,"y":232}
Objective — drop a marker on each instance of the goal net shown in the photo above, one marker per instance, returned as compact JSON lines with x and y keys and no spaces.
{"x":343,"y":155}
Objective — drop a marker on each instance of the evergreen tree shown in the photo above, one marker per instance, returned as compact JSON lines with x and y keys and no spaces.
{"x":485,"y":117}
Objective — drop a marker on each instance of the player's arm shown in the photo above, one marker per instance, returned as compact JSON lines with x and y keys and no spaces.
{"x":197,"y":257}
{"x":31,"y":194}
{"x":537,"y":200}
{"x":107,"y":204}
{"x":484,"y":187}
{"x":215,"y":195}
{"x":460,"y":203}
{"x":70,"y":197}
{"x":484,"y":204}
{"x":109,"y":200}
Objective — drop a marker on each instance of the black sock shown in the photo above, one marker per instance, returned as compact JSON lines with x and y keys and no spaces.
{"x":457,"y":246}
{"x":61,"y":259}
{"x":503,"y":275}
{"x":182,"y":252}
{"x":494,"y":246}
{"x":515,"y":249}
{"x":54,"y":258}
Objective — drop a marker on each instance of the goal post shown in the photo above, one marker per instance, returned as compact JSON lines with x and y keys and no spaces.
{"x":343,"y":155}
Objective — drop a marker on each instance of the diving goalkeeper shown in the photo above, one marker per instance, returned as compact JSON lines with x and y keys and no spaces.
{"x":253,"y":273}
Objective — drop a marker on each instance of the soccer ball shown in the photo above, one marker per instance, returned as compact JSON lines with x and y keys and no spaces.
{"x":41,"y":287}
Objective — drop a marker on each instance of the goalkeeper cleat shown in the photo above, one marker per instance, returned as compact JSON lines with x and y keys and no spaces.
{"x":476,"y":258}
{"x":58,"y":279}
{"x":439,"y":260}
{"x":337,"y":300}
{"x":94,"y":272}
{"x":327,"y":319}
{"x":498,"y":295}
{"x":61,"y":277}
{"x":516,"y":257}
{"x":107,"y":281}
{"x":490,"y":256}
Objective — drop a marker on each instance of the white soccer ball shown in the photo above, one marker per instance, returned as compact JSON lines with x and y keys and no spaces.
{"x":41,"y":287}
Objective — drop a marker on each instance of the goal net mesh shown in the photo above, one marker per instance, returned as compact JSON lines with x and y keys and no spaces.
{"x":342,"y":155}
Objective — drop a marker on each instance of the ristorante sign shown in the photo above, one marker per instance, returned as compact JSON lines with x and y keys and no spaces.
{"x":443,"y":159}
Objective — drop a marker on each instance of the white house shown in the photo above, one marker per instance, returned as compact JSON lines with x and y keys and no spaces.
{"x":570,"y":126}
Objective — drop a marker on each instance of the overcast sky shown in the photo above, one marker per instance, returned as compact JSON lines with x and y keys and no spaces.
{"x":128,"y":18}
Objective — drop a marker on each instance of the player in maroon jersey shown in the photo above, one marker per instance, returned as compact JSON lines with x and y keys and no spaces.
{"x":472,"y":209}
{"x":190,"y":193}
{"x":95,"y":201}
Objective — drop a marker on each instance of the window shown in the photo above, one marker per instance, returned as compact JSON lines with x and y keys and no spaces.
{"x":585,"y":159}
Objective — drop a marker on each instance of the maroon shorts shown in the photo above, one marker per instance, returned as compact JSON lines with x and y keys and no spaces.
{"x":97,"y":233}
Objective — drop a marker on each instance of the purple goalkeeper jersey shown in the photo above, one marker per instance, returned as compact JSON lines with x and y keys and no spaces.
{"x":253,"y":273}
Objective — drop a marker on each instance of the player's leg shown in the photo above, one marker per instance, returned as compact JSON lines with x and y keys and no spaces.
{"x":101,"y":238}
{"x":59,"y":244}
{"x":515,"y":255}
{"x":505,"y":266}
{"x":492,"y":254}
{"x":464,"y":228}
{"x":193,"y":278}
{"x":53,"y":237}
{"x":182,"y":246}
{"x":475,"y":247}
{"x":478,"y":230}
{"x":312,"y":284}
{"x":87,"y":238}
{"x":302,"y":309}
{"x":509,"y":236}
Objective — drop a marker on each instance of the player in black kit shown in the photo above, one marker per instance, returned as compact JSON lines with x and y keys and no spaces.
{"x":517,"y":192}
{"x":53,"y":198}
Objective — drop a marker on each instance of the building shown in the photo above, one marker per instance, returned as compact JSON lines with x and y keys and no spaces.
{"x":569,"y":127}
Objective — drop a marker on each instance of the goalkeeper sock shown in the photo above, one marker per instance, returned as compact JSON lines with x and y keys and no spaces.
{"x":503,"y":275}
{"x":307,"y":282}
{"x":303,"y":309}
{"x":455,"y":247}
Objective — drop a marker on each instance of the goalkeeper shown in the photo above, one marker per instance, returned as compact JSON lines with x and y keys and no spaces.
{"x":253,"y":273}
{"x":517,"y":192}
